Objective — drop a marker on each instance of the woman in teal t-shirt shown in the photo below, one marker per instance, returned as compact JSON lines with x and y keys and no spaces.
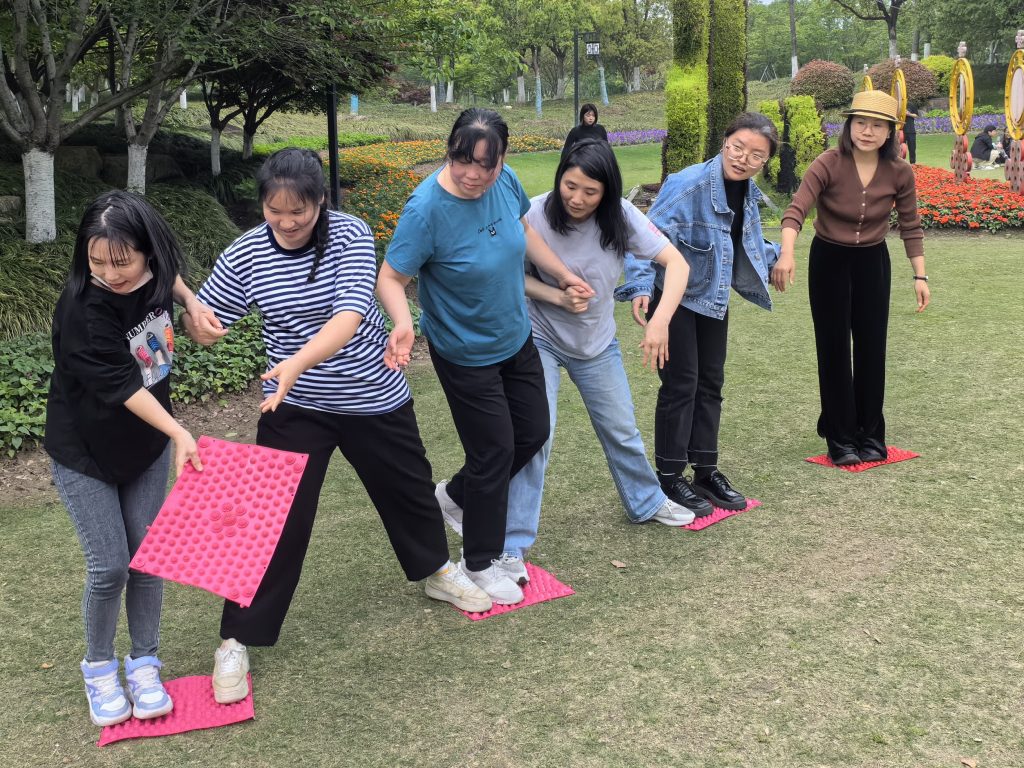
{"x":463,"y":232}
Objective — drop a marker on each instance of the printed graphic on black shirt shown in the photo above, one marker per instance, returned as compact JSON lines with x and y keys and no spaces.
{"x":152,"y":345}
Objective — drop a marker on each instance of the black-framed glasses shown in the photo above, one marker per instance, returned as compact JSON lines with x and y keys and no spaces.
{"x":752,"y":159}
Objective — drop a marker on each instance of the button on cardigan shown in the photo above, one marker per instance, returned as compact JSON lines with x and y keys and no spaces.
{"x":850,"y":213}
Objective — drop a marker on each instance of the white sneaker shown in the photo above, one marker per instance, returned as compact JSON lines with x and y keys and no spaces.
{"x":450,"y":511}
{"x":493,"y":580}
{"x":452,"y":585}
{"x":673,"y":514}
{"x":514,"y":568}
{"x":230,"y":670}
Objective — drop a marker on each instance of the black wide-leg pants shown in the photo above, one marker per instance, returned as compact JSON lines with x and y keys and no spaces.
{"x":849,"y":294}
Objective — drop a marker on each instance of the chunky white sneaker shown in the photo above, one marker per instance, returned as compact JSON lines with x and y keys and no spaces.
{"x":493,"y":580}
{"x":452,"y":585}
{"x":108,"y":703}
{"x":673,"y":514}
{"x":145,"y":690}
{"x":514,"y":568}
{"x":450,"y":511}
{"x":230,"y":670}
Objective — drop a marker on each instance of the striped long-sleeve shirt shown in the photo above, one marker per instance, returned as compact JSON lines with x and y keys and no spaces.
{"x":256,"y":271}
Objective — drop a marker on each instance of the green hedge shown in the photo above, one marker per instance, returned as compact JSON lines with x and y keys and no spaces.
{"x":772,"y":109}
{"x":942,"y":68}
{"x":727,"y":70}
{"x":806,"y":136}
{"x":686,"y":113}
{"x":319,"y":143}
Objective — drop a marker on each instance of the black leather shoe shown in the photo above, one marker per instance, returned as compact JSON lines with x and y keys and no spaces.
{"x":845,"y":459}
{"x":678,"y":489}
{"x":872,"y":454}
{"x":715,"y":487}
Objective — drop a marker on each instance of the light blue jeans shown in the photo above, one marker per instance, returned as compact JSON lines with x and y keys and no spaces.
{"x":604,"y":388}
{"x":111,"y":522}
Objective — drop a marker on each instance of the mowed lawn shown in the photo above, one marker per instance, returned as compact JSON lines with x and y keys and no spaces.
{"x":867,"y":619}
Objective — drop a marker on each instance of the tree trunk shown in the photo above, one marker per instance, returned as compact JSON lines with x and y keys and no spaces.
{"x":560,"y":84}
{"x":927,"y":49}
{"x":75,"y":96}
{"x":894,"y":47}
{"x":449,"y":94}
{"x":183,"y":100}
{"x":604,"y":85}
{"x":247,"y":139}
{"x":137,"y":168}
{"x":520,"y":89}
{"x":40,"y":208}
{"x":215,"y":151}
{"x":636,"y":79}
{"x":538,"y":99}
{"x":794,"y":62}
{"x":433,"y":98}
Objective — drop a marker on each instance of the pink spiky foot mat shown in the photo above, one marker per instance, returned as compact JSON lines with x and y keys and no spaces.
{"x":541,"y":588}
{"x":194,"y":710}
{"x":218,"y":528}
{"x":895,"y":455}
{"x":719,"y":514}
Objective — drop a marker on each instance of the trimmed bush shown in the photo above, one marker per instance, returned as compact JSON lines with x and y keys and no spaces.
{"x":830,"y":84}
{"x":727,"y":70}
{"x":942,"y":68}
{"x":686,"y":102}
{"x":921,"y":81}
{"x":773,"y":111}
{"x":806,"y":137}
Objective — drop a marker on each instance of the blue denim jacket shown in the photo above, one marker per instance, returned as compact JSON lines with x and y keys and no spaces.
{"x":692,"y":211}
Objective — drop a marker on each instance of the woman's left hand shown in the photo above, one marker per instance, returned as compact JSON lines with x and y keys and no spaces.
{"x":923,"y":294}
{"x":583,"y":287}
{"x":655,"y":344}
{"x":286,"y":372}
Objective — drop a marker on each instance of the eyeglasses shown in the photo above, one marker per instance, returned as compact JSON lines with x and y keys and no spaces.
{"x":752,"y":159}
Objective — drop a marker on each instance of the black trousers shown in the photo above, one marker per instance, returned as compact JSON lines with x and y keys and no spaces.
{"x":386,"y":452}
{"x":501,"y":414}
{"x":689,"y":409}
{"x":849,"y":292}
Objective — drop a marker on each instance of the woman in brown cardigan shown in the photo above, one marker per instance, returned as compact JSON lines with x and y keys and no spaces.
{"x":855,"y":187}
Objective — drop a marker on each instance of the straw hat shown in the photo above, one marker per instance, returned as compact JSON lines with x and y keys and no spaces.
{"x":873,"y":104}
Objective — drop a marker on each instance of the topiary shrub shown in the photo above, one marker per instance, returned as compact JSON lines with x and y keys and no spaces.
{"x":921,"y":81}
{"x":772,"y":109}
{"x":727,"y":71}
{"x":942,"y":68}
{"x":829,"y":83}
{"x":806,"y":137}
{"x":686,"y":90}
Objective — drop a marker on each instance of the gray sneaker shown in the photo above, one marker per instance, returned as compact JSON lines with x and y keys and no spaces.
{"x":673,"y":514}
{"x":514,"y":568}
{"x":450,"y":511}
{"x":452,"y":585}
{"x":493,"y":580}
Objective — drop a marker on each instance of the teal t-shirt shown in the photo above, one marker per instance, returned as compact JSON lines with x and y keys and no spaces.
{"x":469,"y":256}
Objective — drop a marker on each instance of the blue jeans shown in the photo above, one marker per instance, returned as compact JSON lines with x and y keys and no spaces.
{"x":111,"y":521}
{"x":604,"y":388}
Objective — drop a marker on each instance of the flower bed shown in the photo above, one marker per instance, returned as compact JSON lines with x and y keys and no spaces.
{"x":938,"y":124}
{"x":623,"y":138}
{"x":975,"y":204}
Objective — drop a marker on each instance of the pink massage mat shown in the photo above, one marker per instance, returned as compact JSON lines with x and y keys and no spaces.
{"x":719,"y":514}
{"x":218,"y":528}
{"x":194,"y":709}
{"x":895,"y":455}
{"x":542,"y":587}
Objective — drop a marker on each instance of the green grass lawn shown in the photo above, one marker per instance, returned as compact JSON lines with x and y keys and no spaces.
{"x":867,"y":619}
{"x":640,"y":164}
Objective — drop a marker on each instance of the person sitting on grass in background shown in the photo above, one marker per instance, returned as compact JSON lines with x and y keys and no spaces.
{"x":311,"y":272}
{"x":709,"y":212}
{"x":590,"y":227}
{"x":109,"y":432}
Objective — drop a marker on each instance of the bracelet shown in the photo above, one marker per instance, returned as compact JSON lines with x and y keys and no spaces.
{"x":921,"y":277}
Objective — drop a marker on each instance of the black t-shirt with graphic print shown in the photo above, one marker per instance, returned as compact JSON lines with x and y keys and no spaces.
{"x":106,"y":347}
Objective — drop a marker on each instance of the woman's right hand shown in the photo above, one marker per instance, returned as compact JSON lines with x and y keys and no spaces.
{"x":575,"y":299}
{"x":784,"y":271}
{"x":185,"y":451}
{"x":640,"y":304}
{"x":202,"y":325}
{"x":399,"y":349}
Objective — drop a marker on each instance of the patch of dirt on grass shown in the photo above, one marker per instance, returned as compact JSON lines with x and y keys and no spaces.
{"x":425,"y":169}
{"x":25,"y":480}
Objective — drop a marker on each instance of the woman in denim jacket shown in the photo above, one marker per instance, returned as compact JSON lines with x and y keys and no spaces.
{"x":709,"y":212}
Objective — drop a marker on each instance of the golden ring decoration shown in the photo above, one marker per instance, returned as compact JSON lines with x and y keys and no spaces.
{"x":898,"y":90}
{"x":961,"y":96}
{"x":866,"y":84}
{"x":1014,"y":96}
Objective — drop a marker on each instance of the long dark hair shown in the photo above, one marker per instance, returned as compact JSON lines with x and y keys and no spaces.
{"x":885,"y":152}
{"x":595,"y":159}
{"x":759,"y":124}
{"x":127,"y":221}
{"x":300,"y":172}
{"x":473,"y":125}
{"x":588,"y":108}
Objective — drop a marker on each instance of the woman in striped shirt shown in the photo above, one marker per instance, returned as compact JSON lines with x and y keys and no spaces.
{"x":311,"y":273}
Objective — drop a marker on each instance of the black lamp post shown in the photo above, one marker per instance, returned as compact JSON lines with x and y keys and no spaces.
{"x":590,"y":39}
